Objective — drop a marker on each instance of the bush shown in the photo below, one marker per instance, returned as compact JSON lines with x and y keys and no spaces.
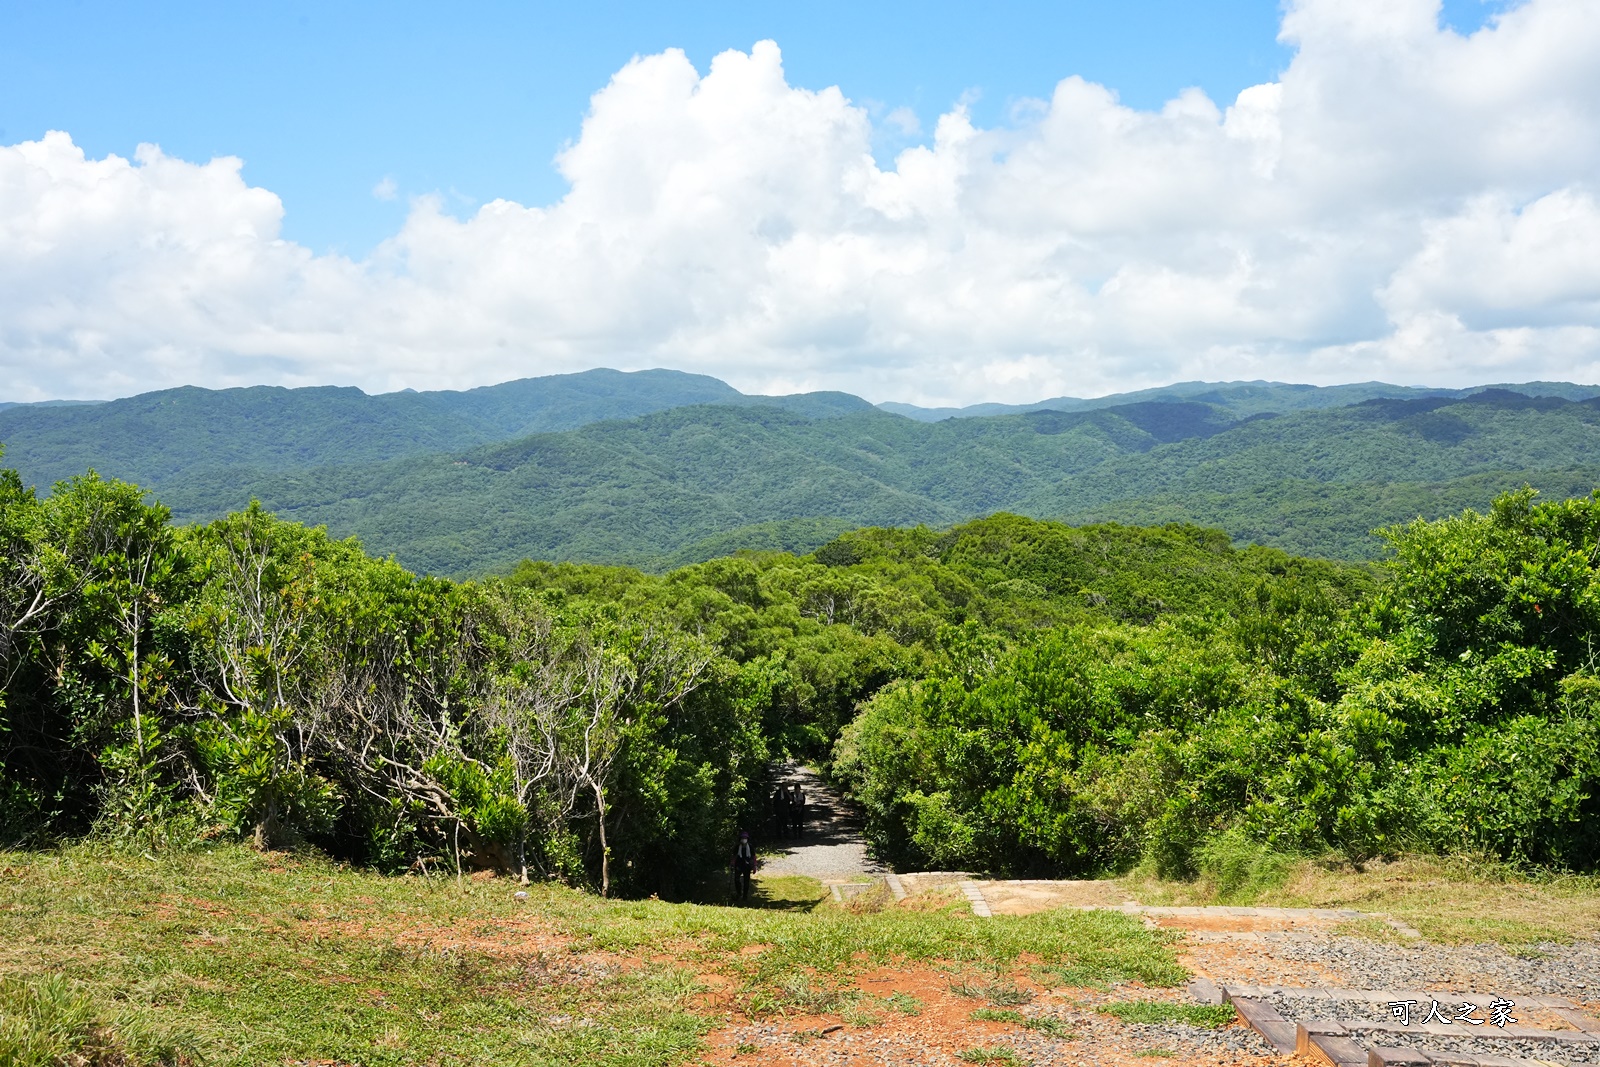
{"x":1238,"y":870}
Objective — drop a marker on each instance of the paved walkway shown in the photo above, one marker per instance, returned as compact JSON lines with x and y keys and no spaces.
{"x":832,"y":849}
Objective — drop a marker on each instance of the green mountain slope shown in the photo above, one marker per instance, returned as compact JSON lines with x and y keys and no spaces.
{"x":435,"y":479}
{"x":1380,"y":440}
{"x":646,"y":491}
{"x":1244,"y":398}
{"x":1317,"y":472}
{"x":695,"y":482}
{"x":155,"y":437}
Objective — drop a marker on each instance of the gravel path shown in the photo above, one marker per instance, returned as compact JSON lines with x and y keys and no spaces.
{"x":1451,"y":973}
{"x":1559,"y":970}
{"x":832,"y":846}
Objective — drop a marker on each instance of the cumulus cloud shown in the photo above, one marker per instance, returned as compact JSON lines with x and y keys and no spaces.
{"x":1403,"y":203}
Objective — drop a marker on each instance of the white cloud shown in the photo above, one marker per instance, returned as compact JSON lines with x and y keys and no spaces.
{"x":1403,"y":203}
{"x":386,"y":189}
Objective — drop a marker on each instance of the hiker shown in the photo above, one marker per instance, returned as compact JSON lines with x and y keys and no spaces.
{"x":780,"y":811}
{"x":797,"y":809}
{"x":744,"y":863}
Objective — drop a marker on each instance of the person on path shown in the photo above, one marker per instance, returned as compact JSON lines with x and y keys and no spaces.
{"x":797,"y":809}
{"x":780,"y":811}
{"x":744,"y":864}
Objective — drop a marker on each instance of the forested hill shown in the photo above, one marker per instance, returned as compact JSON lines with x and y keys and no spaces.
{"x":441,"y":482}
{"x":1241,"y":399}
{"x":696,"y":482}
{"x":154,"y":437}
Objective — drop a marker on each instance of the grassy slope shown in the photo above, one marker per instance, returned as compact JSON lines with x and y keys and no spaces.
{"x":1450,"y":900}
{"x":251,"y":959}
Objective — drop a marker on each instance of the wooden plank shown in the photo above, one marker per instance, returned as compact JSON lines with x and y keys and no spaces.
{"x":1396,"y":1057}
{"x":1491,"y":1033}
{"x":1264,"y":1020}
{"x":1588,"y":1024}
{"x":1337,"y":1051}
{"x":1305,"y":1031}
{"x":1205,"y":991}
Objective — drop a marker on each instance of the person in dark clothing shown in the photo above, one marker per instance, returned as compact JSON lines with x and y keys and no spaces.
{"x":780,"y":812}
{"x":744,"y":865}
{"x":797,"y":809}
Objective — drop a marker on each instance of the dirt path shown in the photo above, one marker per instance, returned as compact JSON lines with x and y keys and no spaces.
{"x":831,"y":848}
{"x":1312,"y":978}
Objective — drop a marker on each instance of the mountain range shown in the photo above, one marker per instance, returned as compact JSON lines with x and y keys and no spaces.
{"x":658,"y":468}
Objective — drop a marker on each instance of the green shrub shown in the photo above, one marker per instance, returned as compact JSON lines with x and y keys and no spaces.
{"x":1238,"y":869}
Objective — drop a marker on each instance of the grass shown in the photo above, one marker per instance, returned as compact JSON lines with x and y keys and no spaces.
{"x":1449,"y":900}
{"x":998,"y":1054}
{"x":904,"y":1003}
{"x":1043,"y":1023}
{"x":47,"y":1023}
{"x":1165,"y":1011}
{"x":859,"y":1016}
{"x":1000,"y":993}
{"x":248,"y":958}
{"x":1051,"y":1027}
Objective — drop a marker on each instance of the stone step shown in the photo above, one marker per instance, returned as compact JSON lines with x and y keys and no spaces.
{"x":1412,"y":1057}
{"x":1483,"y":1033}
{"x":1264,"y":1019}
{"x":1559,"y":1005}
{"x":1333,"y":1042}
{"x":974,"y":895}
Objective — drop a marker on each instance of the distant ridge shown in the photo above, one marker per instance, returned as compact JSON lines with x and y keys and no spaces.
{"x":1243,"y":398}
{"x":154,"y":437}
{"x":660,"y":468}
{"x":4,"y":404}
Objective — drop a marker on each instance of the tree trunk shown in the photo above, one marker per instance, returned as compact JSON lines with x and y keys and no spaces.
{"x":605,"y":850}
{"x":267,"y":826}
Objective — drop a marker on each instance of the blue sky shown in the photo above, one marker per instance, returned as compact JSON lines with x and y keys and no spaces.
{"x":473,"y":100}
{"x":997,"y":202}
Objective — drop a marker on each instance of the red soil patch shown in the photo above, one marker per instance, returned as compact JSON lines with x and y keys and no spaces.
{"x":944,"y":1028}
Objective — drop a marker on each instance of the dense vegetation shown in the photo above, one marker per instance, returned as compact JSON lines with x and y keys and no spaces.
{"x":1008,"y":694}
{"x":682,"y":469}
{"x":670,"y":488}
{"x":1453,"y":709}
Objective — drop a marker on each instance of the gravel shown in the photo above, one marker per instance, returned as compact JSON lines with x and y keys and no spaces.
{"x":1538,"y":1050}
{"x":832,"y":845}
{"x":1558,"y":970}
{"x":1571,"y":971}
{"x":1355,"y":1012}
{"x":1180,"y":1038}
